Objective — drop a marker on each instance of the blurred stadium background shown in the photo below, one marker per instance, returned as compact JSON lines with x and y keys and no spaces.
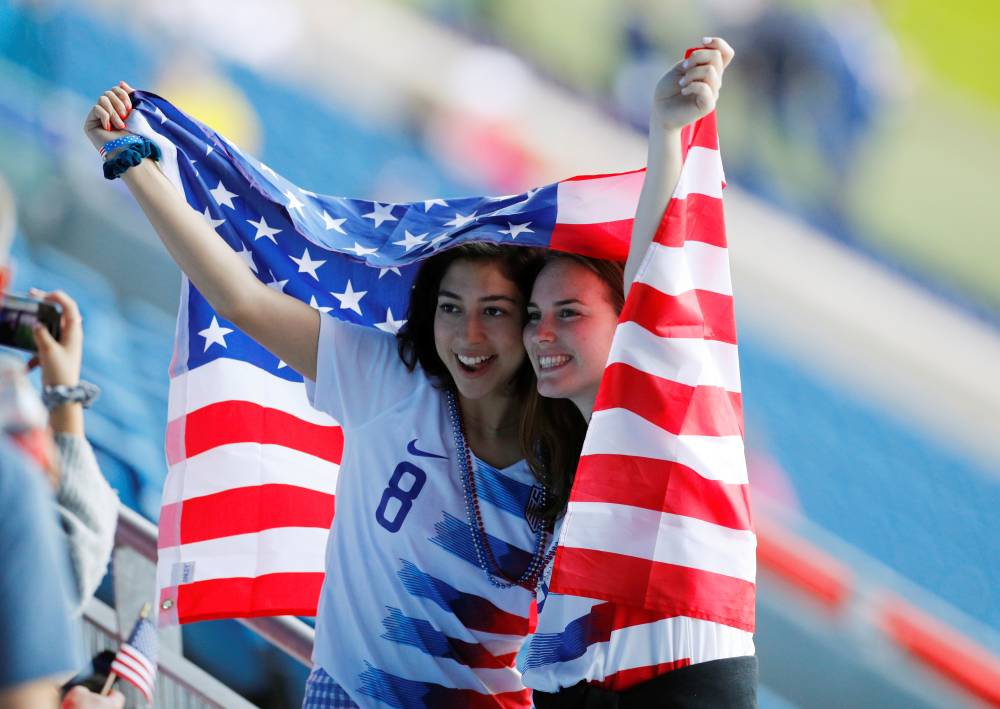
{"x":860,"y":140}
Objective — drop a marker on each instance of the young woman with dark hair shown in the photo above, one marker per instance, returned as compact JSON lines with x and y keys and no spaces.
{"x":650,"y":659}
{"x":437,"y":544}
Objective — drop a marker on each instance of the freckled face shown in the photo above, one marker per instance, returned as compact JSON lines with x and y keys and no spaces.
{"x":477,"y":327}
{"x":568,"y":335}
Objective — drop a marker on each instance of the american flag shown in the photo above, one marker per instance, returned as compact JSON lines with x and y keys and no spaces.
{"x":252,"y":468}
{"x":135,"y":661}
{"x":659,"y":513}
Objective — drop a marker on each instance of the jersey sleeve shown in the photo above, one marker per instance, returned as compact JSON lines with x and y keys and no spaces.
{"x":358,"y":372}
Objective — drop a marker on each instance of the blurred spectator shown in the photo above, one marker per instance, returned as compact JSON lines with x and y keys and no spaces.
{"x":39,"y":641}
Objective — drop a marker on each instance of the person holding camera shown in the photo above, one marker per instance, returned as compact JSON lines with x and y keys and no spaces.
{"x":39,"y":592}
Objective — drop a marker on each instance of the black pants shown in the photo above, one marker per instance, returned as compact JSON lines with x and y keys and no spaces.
{"x":718,"y":684}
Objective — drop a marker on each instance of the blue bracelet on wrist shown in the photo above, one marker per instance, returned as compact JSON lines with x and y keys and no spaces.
{"x":131,"y":156}
{"x":120,"y":142}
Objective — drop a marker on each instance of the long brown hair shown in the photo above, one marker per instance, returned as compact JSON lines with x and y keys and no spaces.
{"x":552,"y":430}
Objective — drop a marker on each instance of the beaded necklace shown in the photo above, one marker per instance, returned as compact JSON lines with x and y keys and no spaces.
{"x":484,"y":554}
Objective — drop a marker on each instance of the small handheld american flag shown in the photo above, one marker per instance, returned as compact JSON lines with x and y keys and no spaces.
{"x":135,"y":661}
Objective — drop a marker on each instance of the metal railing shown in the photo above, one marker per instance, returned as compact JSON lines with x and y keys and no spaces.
{"x":180,"y":683}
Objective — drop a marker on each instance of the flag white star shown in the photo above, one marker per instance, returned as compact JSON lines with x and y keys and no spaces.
{"x":277,"y":285}
{"x":161,"y":114}
{"x":391,"y":269}
{"x":516,"y":230}
{"x":428,"y":203}
{"x":380,"y":213}
{"x":438,"y":239}
{"x":264,"y":231}
{"x":461,"y":220}
{"x":331,"y":223}
{"x":390,"y":325}
{"x":265,"y":168}
{"x":208,"y":150}
{"x":247,"y":257}
{"x":293,"y":201}
{"x":361,"y":250}
{"x":212,"y":222}
{"x":281,"y":364}
{"x":215,"y":334}
{"x":314,"y":304}
{"x":223,"y":196}
{"x":306,"y":264}
{"x":531,"y":193}
{"x":350,"y":299}
{"x":410,"y":241}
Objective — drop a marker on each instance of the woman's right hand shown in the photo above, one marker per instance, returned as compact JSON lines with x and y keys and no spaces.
{"x":106,"y":120}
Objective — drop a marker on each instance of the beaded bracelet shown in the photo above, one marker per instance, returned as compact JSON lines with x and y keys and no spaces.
{"x":120,"y":142}
{"x":83,"y":393}
{"x":131,"y":156}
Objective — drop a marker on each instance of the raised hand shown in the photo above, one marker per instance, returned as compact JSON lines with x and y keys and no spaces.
{"x":106,"y":120}
{"x":690,"y":89}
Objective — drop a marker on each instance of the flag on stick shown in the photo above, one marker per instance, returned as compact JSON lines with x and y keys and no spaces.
{"x":135,"y":661}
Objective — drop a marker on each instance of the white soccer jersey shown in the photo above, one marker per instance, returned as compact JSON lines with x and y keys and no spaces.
{"x":407,"y":618}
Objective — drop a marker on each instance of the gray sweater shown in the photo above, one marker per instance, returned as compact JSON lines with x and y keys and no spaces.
{"x":88,"y":514}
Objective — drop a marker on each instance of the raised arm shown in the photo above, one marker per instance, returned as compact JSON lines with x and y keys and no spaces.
{"x":287,"y":327}
{"x":685,"y":93}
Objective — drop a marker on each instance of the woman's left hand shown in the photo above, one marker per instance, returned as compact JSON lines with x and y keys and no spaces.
{"x":60,"y":359}
{"x":690,"y":89}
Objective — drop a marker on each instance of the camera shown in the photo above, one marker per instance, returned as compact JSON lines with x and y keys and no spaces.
{"x":18,"y":315}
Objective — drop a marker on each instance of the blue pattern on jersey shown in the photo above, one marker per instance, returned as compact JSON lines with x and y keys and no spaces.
{"x":474,"y":612}
{"x":410,"y":694}
{"x":501,"y":491}
{"x":455,"y":536}
{"x":418,"y":633}
{"x":549,"y":648}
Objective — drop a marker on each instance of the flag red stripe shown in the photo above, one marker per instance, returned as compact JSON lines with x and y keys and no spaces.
{"x":606,"y":618}
{"x":697,"y":217}
{"x":673,"y":406}
{"x":245,"y":422}
{"x":272,"y":594}
{"x":605,"y":240}
{"x":657,"y":586}
{"x":664,"y":486}
{"x":703,"y":133}
{"x":578,"y":178}
{"x":249,"y":509}
{"x":698,"y":314}
{"x":624,"y":679}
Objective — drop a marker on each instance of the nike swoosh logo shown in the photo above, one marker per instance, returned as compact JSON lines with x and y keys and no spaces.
{"x":412,"y":449}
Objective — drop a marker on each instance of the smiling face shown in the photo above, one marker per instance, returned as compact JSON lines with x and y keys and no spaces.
{"x":477,"y":328}
{"x":568,"y":335}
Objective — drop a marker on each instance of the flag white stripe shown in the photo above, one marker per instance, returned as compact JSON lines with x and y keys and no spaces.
{"x":128,"y":673}
{"x":678,"y":269}
{"x":279,"y":550}
{"x":602,"y":199}
{"x":690,"y":361}
{"x":233,"y":380}
{"x":702,"y":173}
{"x":662,"y":537}
{"x":622,"y":432}
{"x":138,"y":662}
{"x":239,"y":465}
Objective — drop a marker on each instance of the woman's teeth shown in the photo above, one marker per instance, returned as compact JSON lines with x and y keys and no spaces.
{"x":474,"y":362}
{"x":550,"y":361}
